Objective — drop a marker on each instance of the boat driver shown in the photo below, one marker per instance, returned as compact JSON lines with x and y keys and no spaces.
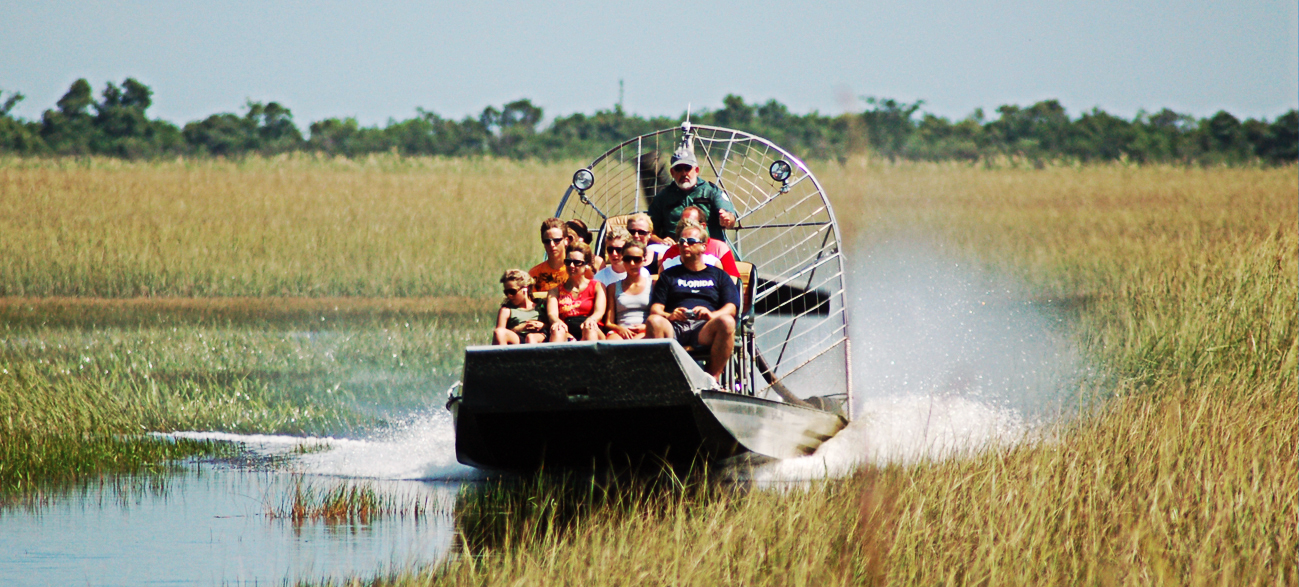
{"x":696,"y":303}
{"x":687,"y":189}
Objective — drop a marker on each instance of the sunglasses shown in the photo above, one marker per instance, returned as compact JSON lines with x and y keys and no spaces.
{"x":631,"y":259}
{"x":689,"y":241}
{"x":638,"y":232}
{"x":574,"y":262}
{"x":552,"y":241}
{"x":511,"y":291}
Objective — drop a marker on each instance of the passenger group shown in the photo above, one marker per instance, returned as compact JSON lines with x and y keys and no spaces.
{"x":693,"y":297}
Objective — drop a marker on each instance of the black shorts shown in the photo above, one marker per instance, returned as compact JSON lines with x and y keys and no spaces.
{"x":574,"y":324}
{"x":687,"y":331}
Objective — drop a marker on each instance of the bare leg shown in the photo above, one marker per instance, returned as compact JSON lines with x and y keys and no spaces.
{"x":558,"y":332}
{"x":536,"y":337}
{"x":613,"y":335}
{"x":658,"y":327}
{"x":504,"y":336}
{"x":592,"y":333}
{"x":719,"y":334}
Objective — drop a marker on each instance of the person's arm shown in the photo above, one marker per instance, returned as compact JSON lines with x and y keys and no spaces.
{"x":552,"y":306}
{"x":597,"y":311}
{"x":658,"y":310}
{"x":502,"y":317}
{"x":611,"y":308}
{"x":726,"y":215}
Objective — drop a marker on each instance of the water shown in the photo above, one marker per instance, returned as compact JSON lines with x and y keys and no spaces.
{"x":210,"y":525}
{"x":945,"y":361}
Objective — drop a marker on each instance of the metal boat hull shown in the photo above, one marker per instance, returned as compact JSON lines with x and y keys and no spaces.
{"x":594,"y":403}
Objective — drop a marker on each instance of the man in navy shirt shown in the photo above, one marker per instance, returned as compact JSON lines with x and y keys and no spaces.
{"x":695,"y":303}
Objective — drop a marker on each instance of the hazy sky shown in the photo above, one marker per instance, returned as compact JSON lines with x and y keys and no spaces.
{"x":381,"y":60}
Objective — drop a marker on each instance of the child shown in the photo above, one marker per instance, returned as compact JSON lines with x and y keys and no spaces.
{"x":519,"y":320}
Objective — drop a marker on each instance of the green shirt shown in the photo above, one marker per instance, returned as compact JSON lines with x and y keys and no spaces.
{"x":666,"y":207}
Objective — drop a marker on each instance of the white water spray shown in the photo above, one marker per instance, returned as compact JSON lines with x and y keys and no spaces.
{"x":946,"y":360}
{"x":420,"y":447}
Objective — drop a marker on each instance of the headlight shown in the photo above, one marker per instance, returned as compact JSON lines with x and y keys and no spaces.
{"x":780,"y":170}
{"x":583,"y":180}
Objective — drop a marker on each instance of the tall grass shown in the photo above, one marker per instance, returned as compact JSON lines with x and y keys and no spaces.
{"x":1185,"y":282}
{"x":300,"y":226}
{"x":346,"y":502}
{"x":1182,"y":285}
{"x":77,"y":396}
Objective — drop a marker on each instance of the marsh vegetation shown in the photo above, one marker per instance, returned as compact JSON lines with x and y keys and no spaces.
{"x":294,"y":294}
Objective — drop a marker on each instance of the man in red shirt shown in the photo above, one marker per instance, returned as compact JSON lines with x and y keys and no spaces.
{"x":716,"y":253}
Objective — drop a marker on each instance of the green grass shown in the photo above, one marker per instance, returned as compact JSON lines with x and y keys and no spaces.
{"x":1182,"y":289}
{"x":346,"y":502}
{"x":96,"y":389}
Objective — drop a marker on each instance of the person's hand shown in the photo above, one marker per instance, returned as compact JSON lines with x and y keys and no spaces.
{"x":726,"y":219}
{"x":667,"y":240}
{"x":623,"y":331}
{"x":701,"y":314}
{"x":591,"y":323}
{"x":534,"y":326}
{"x":679,"y":315}
{"x":559,"y":328}
{"x":637,"y":329}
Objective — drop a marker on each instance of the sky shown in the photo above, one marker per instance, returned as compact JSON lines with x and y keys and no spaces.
{"x":379,"y":60}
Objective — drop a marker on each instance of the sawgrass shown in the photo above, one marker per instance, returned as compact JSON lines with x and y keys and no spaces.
{"x":346,"y":502}
{"x":1184,"y":283}
{"x":82,"y":380}
{"x":384,"y":226}
{"x":1181,"y":285}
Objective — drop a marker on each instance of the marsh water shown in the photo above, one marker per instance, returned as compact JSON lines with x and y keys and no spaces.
{"x":945,"y":361}
{"x":227,"y":522}
{"x":209,"y":526}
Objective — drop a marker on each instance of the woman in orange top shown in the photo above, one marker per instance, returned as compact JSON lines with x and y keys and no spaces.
{"x":576,"y":306}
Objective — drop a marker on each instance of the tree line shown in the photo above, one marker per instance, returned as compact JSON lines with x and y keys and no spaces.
{"x":117,"y":125}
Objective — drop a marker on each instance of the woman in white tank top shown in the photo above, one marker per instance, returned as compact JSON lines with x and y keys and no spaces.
{"x":625,"y":318}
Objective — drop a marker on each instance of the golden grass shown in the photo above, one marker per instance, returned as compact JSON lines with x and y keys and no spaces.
{"x":1186,"y":286}
{"x":294,"y":226}
{"x":1187,"y":475}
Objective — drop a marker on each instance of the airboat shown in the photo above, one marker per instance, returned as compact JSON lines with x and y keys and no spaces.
{"x":788,"y":386}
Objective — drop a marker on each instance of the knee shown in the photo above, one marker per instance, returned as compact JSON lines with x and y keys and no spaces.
{"x":726,"y":324}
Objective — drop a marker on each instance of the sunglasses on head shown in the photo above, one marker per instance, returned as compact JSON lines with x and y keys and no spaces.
{"x":509,"y":291}
{"x":690,"y":240}
{"x":574,"y":262}
{"x":632,"y":259}
{"x":552,"y":241}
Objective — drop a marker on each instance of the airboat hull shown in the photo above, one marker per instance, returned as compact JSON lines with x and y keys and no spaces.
{"x":522,"y":407}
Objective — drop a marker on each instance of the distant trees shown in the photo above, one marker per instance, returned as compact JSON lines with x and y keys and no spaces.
{"x":117,"y":125}
{"x":265,"y":128}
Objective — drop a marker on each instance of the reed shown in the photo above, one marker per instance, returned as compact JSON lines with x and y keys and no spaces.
{"x":290,"y":226}
{"x":1181,"y":285}
{"x":78,"y":395}
{"x":346,"y":502}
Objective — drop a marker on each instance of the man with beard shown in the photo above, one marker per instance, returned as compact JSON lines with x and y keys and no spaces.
{"x":695,"y":303}
{"x":688,"y":190}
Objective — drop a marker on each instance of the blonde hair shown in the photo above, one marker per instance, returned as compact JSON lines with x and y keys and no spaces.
{"x":641,"y":216}
{"x":688,"y":223}
{"x":518,"y":277}
{"x":615,"y":234}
